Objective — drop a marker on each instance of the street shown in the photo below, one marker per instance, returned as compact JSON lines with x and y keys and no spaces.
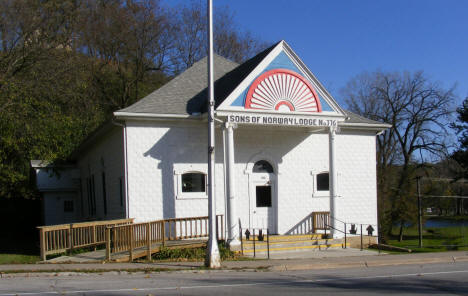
{"x":427,"y":279}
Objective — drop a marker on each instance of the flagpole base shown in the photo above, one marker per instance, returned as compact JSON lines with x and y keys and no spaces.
{"x":212,"y":259}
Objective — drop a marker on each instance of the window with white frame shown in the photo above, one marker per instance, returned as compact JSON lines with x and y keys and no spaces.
{"x":321,"y":184}
{"x":191,"y":184}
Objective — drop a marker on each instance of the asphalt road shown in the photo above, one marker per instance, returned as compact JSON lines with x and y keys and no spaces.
{"x":428,"y":279}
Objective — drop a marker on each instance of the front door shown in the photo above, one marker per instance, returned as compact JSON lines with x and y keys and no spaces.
{"x":262,"y":198}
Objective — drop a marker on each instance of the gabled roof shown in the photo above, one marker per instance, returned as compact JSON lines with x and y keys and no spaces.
{"x":175,"y":96}
{"x":186,"y":94}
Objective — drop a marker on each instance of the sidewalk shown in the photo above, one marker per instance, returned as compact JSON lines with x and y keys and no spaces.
{"x":367,"y":260}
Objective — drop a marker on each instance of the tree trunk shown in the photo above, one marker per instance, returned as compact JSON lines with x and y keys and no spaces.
{"x":400,"y":235}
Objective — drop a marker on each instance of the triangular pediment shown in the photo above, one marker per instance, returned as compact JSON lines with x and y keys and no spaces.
{"x":281,"y":84}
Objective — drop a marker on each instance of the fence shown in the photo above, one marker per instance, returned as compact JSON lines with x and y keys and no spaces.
{"x":320,"y":221}
{"x":142,"y":236}
{"x":57,"y":239}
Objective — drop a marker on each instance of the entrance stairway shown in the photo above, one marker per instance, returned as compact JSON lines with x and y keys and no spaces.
{"x":288,"y":243}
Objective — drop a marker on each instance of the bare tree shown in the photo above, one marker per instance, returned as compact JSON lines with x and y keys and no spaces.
{"x":229,"y":42}
{"x":418,"y":110}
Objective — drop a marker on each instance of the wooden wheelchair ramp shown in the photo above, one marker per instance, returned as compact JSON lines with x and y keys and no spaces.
{"x":125,"y":241}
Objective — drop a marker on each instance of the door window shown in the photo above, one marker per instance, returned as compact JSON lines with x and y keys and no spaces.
{"x":263,"y":194}
{"x":262,"y":166}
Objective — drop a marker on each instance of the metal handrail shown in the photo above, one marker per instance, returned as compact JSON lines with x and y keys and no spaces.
{"x":248,"y":234}
{"x":345,"y":232}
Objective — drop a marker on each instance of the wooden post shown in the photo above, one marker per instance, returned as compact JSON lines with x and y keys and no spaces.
{"x":42,"y":240}
{"x":163,"y":232}
{"x":313,"y":223}
{"x":217,"y":231}
{"x":222,"y":228}
{"x":70,"y":239}
{"x":148,"y":237}
{"x":131,"y":244}
{"x":108,"y":243}
{"x":94,"y":237}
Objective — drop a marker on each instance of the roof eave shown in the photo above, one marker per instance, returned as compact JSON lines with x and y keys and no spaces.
{"x":153,"y":116}
{"x":379,"y":127}
{"x":91,"y":139}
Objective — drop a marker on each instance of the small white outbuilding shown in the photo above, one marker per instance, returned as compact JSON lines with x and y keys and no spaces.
{"x":284,"y":149}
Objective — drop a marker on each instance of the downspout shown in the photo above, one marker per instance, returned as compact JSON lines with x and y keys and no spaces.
{"x":225,"y":183}
{"x":124,"y":131}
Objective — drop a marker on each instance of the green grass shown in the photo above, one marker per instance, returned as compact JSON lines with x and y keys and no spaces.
{"x":434,"y":239}
{"x":18,"y":259}
{"x":18,"y":248}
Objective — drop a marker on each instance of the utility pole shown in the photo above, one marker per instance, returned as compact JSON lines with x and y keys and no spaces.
{"x":212,"y":259}
{"x":419,"y":212}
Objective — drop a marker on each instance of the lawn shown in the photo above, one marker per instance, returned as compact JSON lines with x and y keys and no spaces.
{"x":17,"y":249}
{"x":435,"y":239}
{"x":18,"y":259}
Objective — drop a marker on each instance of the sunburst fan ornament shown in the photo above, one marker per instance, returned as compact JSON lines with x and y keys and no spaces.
{"x":283,"y":90}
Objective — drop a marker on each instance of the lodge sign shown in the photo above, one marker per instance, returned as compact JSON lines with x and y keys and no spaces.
{"x":280,"y":120}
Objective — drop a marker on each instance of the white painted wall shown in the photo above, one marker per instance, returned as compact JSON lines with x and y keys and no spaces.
{"x":53,"y":179}
{"x":106,"y":155}
{"x":157,"y":155}
{"x":159,"y":152}
{"x":58,"y":185}
{"x":53,"y":203}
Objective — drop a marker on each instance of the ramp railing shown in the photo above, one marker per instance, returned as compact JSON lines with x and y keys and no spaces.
{"x":142,"y":236}
{"x":56,"y":239}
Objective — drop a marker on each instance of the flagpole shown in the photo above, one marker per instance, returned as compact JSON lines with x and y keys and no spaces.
{"x":212,"y":259}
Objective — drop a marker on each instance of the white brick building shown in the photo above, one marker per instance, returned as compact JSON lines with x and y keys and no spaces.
{"x":284,"y":149}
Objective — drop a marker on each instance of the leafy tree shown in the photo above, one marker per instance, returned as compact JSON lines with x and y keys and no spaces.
{"x":461,"y":155}
{"x":66,"y":65}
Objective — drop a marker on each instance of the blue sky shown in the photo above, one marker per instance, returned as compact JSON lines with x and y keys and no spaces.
{"x":340,"y":39}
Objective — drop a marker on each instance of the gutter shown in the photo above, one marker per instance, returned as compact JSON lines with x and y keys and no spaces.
{"x":151,"y":116}
{"x":380,"y":128}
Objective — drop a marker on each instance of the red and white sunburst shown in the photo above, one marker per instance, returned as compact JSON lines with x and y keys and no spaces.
{"x":282,"y":90}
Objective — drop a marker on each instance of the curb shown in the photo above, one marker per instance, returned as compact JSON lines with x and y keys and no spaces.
{"x":266,"y":267}
{"x":309,"y":266}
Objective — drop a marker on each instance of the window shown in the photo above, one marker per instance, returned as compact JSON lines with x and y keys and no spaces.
{"x":190,"y":182}
{"x":104,"y":195}
{"x":323,"y":183}
{"x":68,"y":205}
{"x":121,"y":190}
{"x":320,"y":183}
{"x":263,"y":194}
{"x":91,"y":196}
{"x":193,"y":182}
{"x":262,"y":166}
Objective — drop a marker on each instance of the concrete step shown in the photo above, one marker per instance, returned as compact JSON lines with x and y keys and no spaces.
{"x":291,"y":243}
{"x":263,"y":251}
{"x":276,"y":238}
